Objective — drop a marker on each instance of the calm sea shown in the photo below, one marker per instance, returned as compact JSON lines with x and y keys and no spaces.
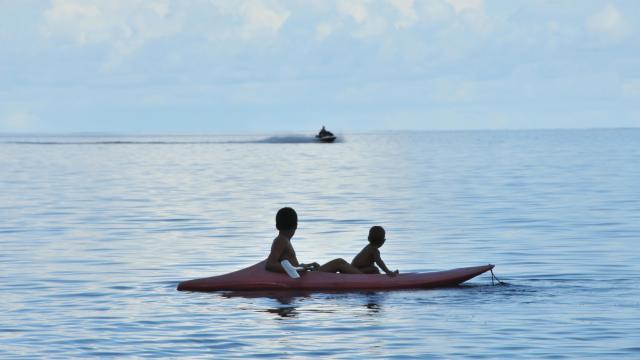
{"x":96,"y":232}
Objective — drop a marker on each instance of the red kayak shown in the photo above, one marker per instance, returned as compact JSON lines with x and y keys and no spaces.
{"x":257,"y":278}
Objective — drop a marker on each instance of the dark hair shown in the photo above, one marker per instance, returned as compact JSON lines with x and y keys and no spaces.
{"x":376,"y":230}
{"x":286,"y":219}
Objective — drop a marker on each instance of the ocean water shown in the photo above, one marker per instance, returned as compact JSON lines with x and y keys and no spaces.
{"x":97,"y":231}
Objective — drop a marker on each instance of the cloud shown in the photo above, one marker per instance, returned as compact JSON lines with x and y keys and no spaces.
{"x":609,"y":22}
{"x":466,"y":5}
{"x":122,"y":28}
{"x":408,"y":15}
{"x":261,"y":17}
{"x":248,"y":20}
{"x":256,"y":56}
{"x":357,"y":9}
{"x":360,"y":19}
{"x":381,"y":19}
{"x":124,"y":25}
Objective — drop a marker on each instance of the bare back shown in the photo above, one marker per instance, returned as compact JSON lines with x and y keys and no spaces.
{"x":366,"y":257}
{"x":281,"y":249}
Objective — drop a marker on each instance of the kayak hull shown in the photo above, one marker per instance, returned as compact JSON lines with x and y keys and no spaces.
{"x":255,"y":277}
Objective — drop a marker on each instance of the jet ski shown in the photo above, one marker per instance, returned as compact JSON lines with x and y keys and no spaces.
{"x":325,"y":136}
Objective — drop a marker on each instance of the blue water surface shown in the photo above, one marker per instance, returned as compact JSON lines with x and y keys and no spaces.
{"x":97,"y":230}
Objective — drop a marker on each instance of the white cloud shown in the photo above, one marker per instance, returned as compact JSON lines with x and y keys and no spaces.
{"x":466,"y":5}
{"x":263,"y":53}
{"x":248,"y":20}
{"x":407,"y":12}
{"x":261,"y":17}
{"x":356,"y":9}
{"x":124,"y":25}
{"x":609,"y":22}
{"x":82,"y":21}
{"x":369,"y":18}
{"x":473,"y":14}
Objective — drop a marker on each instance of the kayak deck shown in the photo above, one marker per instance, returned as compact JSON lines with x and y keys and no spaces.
{"x":255,"y":277}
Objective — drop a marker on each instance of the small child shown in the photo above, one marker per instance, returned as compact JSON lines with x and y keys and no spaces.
{"x":370,"y":254}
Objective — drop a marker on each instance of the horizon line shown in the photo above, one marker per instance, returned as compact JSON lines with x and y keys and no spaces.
{"x":294,"y":132}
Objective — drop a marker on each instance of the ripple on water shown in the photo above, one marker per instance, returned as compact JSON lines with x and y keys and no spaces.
{"x":97,"y":233}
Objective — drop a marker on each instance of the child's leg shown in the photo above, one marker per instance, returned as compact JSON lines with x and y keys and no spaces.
{"x":339,"y":265}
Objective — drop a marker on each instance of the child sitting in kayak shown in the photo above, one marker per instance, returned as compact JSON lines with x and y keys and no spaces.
{"x":281,"y":249}
{"x":370,"y":255}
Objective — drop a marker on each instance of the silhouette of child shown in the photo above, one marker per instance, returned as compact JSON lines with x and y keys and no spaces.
{"x":281,"y":248}
{"x":369,"y":256}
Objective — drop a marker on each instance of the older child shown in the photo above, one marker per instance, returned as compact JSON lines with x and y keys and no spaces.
{"x":370,"y":255}
{"x":281,"y":248}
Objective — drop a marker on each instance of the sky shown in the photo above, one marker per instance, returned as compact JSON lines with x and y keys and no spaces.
{"x":212,"y":66}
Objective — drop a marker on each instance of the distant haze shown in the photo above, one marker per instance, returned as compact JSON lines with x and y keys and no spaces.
{"x":155,"y":66}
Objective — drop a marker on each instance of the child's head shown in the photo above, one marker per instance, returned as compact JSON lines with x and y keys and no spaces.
{"x":286,"y":219}
{"x":377,"y":236}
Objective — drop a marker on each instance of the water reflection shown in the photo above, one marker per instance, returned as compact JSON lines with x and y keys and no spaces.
{"x":285,"y":299}
{"x":374,"y":301}
{"x":284,"y":312}
{"x":289,"y":302}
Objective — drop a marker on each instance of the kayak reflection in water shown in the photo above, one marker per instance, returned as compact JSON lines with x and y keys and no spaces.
{"x":369,"y":256}
{"x":281,"y":248}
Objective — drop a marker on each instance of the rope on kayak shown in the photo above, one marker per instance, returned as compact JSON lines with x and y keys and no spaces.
{"x":494,"y":277}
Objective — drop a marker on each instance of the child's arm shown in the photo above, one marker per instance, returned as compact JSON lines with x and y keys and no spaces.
{"x":379,"y":262}
{"x":312,"y":266}
{"x":278,"y":249}
{"x":293,"y":259}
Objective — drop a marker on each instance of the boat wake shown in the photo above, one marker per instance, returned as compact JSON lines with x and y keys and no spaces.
{"x":286,"y":139}
{"x":290,"y":139}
